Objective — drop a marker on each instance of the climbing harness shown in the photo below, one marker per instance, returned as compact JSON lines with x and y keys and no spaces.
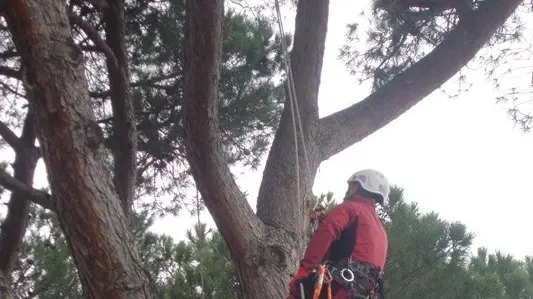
{"x":360,"y":280}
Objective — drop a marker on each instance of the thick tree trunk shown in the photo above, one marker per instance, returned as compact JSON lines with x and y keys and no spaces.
{"x":264,"y":251}
{"x":88,"y":207}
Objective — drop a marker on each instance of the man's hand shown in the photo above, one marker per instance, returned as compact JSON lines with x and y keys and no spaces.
{"x":294,"y":285}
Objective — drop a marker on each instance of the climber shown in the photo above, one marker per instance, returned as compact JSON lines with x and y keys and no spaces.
{"x":350,"y":241}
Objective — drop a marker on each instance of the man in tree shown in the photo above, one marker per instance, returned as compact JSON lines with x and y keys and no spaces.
{"x":352,"y":240}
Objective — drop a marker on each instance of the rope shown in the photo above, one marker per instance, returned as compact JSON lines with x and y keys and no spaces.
{"x":293,"y":101}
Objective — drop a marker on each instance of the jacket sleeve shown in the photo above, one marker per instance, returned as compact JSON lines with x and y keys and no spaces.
{"x":328,"y":231}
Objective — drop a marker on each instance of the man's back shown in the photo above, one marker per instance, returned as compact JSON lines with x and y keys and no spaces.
{"x":364,"y":238}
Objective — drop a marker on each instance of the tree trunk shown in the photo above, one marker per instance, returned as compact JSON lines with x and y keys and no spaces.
{"x":124,"y":125}
{"x":87,"y":206}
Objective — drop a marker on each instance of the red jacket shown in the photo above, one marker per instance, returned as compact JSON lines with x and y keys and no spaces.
{"x":351,"y":228}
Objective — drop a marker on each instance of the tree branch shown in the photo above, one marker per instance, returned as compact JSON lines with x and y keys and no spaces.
{"x":226,"y":203}
{"x":346,"y":127}
{"x":124,"y":123}
{"x":11,"y":53}
{"x":37,"y":196}
{"x":9,"y":72}
{"x":9,"y":136}
{"x":94,"y":36}
{"x":279,"y":203}
{"x":14,"y":225}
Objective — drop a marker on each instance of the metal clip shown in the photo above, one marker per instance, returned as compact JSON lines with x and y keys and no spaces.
{"x":350,"y":276}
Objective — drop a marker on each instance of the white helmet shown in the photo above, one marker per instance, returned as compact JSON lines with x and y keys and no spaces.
{"x":374,"y":182}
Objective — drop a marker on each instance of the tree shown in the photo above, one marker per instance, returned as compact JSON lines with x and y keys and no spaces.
{"x":46,"y":269}
{"x":106,"y":112}
{"x":96,"y":151}
{"x":427,"y":255}
{"x":428,"y":258}
{"x":266,"y":246}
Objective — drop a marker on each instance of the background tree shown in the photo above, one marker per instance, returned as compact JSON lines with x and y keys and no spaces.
{"x":428,"y":258}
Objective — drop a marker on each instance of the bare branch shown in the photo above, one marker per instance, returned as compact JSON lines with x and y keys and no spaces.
{"x":37,"y":196}
{"x":124,"y":123}
{"x":15,"y":222}
{"x":9,"y":136}
{"x":346,"y":127}
{"x":226,"y":203}
{"x":94,"y":36}
{"x":9,"y":72}
{"x":9,"y":54}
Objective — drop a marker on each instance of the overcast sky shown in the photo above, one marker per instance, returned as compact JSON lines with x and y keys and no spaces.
{"x":459,"y":157}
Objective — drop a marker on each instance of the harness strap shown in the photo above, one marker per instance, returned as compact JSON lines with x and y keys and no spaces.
{"x":361,"y":280}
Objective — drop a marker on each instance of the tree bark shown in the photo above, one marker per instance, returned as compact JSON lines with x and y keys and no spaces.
{"x":279,"y":179}
{"x":266,"y":247}
{"x":244,"y":233}
{"x":124,"y":124}
{"x":88,"y":207}
{"x":15,"y":223}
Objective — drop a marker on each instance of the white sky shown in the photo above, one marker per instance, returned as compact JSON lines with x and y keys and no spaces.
{"x":461,"y":158}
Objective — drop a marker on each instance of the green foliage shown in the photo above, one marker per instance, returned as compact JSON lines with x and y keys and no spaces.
{"x":249,"y":89}
{"x":249,"y":97}
{"x":428,"y":258}
{"x":394,"y":34}
{"x":402,"y":32}
{"x":46,"y":268}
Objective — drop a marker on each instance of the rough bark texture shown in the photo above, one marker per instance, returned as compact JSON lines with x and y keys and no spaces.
{"x":125,"y":131}
{"x":266,"y":247}
{"x":243,"y":231}
{"x":279,"y":177}
{"x":88,"y":208}
{"x":14,"y":225}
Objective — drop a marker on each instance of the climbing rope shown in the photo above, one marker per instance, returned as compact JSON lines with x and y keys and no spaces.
{"x":293,"y":101}
{"x":323,"y":277}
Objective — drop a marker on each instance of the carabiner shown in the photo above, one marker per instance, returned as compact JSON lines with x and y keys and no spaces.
{"x":351,"y":275}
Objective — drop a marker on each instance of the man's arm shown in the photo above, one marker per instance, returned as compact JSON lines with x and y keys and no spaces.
{"x":329,"y":230}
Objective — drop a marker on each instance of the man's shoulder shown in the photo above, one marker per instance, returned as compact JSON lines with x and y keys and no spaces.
{"x":348,"y":205}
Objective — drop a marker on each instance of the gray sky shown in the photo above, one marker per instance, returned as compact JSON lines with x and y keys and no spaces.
{"x":459,"y":157}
